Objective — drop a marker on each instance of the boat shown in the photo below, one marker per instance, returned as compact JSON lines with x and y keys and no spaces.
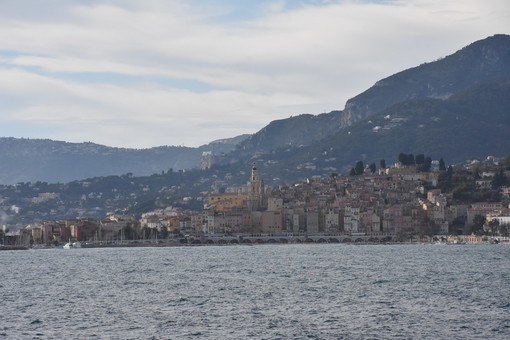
{"x":70,"y":245}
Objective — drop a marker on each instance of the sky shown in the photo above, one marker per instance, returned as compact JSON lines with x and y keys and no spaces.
{"x":138,"y":74}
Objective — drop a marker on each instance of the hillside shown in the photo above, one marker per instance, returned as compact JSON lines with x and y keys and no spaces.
{"x":294,"y":131}
{"x":473,"y":123}
{"x":464,"y":126}
{"x":453,"y":108}
{"x":481,"y":62}
{"x":30,"y":160}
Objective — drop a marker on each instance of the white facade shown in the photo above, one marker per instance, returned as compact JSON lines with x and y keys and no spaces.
{"x":332,"y":221}
{"x":351,"y":219}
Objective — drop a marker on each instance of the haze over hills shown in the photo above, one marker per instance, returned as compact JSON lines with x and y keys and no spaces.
{"x":30,"y":160}
{"x":455,"y":108}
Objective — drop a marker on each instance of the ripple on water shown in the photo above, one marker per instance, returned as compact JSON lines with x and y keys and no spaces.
{"x":331,"y":291}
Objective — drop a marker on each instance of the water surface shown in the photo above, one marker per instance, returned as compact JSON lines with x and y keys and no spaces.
{"x":327,"y":291}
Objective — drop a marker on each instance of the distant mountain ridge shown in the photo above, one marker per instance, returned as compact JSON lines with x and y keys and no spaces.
{"x":455,"y":108}
{"x":30,"y":160}
{"x":282,"y":132}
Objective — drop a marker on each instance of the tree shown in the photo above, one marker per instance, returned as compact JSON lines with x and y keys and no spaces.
{"x":359,"y":168}
{"x":503,"y":230}
{"x":494,"y":226}
{"x":129,"y":233}
{"x":163,"y":232}
{"x":382,"y":164}
{"x":442,"y":166}
{"x":372,"y":167}
{"x":507,"y":163}
{"x":499,"y":179}
{"x":445,"y":182}
{"x":147,"y":233}
{"x":476,"y":175}
{"x":406,"y":159}
{"x":410,"y":159}
{"x":427,"y":164}
{"x":402,"y":158}
{"x":458,"y":223}
{"x":429,"y":228}
{"x":420,"y":159}
{"x":449,"y":172}
{"x":478,"y":222}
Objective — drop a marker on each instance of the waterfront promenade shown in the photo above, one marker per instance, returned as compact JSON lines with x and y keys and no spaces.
{"x":251,"y":239}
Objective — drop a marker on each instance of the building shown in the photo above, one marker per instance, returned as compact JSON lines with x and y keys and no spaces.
{"x":482,"y":209}
{"x":227,"y":201}
{"x":256,"y":191}
{"x":351,"y":219}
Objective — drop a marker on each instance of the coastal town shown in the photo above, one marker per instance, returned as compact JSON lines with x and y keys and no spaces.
{"x":398,"y":203}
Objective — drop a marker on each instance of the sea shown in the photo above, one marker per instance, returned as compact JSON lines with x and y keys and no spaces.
{"x":299,"y":291}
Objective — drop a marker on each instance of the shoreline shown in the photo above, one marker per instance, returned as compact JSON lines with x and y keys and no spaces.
{"x":165,"y":245}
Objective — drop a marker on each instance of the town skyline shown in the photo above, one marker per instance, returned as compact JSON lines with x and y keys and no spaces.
{"x":416,"y":200}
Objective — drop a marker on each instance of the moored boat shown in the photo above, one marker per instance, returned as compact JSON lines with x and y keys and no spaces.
{"x":70,"y":245}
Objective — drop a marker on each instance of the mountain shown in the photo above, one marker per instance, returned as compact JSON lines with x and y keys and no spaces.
{"x":452,"y":108}
{"x":30,"y":160}
{"x":481,"y":62}
{"x":473,"y":123}
{"x":294,"y":131}
{"x":456,"y":108}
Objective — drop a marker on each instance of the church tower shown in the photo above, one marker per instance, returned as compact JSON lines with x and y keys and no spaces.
{"x":256,"y":187}
{"x":255,"y":182}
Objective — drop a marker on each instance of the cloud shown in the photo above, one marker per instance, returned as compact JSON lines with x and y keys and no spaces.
{"x":139,"y":74}
{"x":101,"y":113}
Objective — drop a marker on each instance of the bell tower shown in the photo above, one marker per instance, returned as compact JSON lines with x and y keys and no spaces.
{"x":255,"y":183}
{"x":256,"y":187}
